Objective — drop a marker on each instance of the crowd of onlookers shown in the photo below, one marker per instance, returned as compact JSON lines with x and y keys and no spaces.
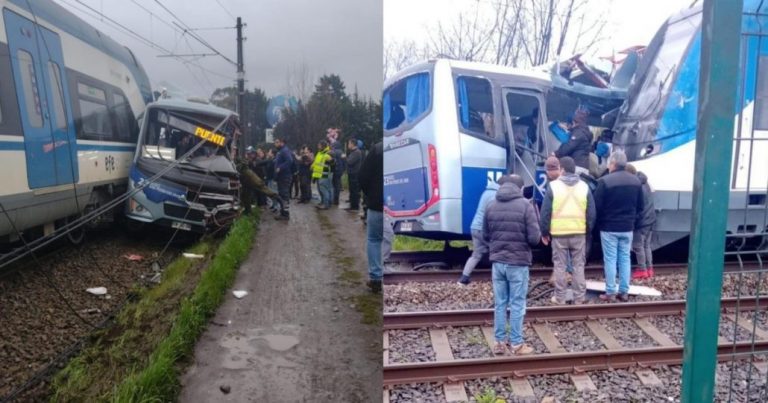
{"x":278,"y":175}
{"x":507,"y":225}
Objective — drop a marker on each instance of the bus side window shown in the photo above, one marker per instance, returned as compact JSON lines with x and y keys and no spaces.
{"x":475,"y":105}
{"x":524,"y":116}
{"x":406,"y":101}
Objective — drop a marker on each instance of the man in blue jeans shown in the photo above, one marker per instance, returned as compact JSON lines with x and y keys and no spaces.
{"x":511,"y":228}
{"x":372,"y":184}
{"x":619,"y":204}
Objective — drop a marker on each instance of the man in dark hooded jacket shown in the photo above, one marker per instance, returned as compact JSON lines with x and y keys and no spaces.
{"x":511,"y":228}
{"x":580,"y":143}
{"x":641,"y":238}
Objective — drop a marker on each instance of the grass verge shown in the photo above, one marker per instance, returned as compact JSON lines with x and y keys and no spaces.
{"x":136,"y":359}
{"x":413,"y":244}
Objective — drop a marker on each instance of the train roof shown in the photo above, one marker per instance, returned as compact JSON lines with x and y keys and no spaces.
{"x":537,"y":78}
{"x":190,"y":106}
{"x":73,"y":25}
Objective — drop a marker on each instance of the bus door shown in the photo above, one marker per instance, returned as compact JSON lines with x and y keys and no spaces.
{"x":39,"y":75}
{"x":523,"y":118}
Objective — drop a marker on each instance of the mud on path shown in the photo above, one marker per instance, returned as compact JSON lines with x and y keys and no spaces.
{"x":298,"y":336}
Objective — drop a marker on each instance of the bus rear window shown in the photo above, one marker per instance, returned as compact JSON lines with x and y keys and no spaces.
{"x":406,"y":101}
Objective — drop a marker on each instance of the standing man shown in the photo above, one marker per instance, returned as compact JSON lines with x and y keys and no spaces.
{"x":283,"y":175}
{"x":641,"y":238}
{"x":305,"y":175}
{"x":619,"y":203}
{"x":372,"y":184}
{"x":354,"y":161}
{"x":322,"y":175}
{"x":579,"y":144}
{"x":511,"y":228}
{"x":567,"y":216}
{"x":479,"y":247}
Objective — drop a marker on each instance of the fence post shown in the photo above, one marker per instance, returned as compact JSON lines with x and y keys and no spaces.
{"x":720,"y":35}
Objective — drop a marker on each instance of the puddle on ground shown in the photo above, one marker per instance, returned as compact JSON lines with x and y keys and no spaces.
{"x":260,"y":345}
{"x":280,"y":342}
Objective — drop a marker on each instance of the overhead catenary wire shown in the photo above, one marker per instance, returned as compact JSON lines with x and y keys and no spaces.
{"x":93,"y":13}
{"x":225,"y":9}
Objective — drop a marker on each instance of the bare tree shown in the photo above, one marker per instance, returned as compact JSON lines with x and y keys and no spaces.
{"x":469,"y":37}
{"x":401,"y":54}
{"x":299,"y":81}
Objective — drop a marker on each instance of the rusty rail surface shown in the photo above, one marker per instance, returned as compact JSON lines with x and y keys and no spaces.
{"x":480,"y":317}
{"x":399,"y":277}
{"x":543,"y":364}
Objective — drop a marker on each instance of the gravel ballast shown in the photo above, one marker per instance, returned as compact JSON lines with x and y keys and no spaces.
{"x":410,"y":346}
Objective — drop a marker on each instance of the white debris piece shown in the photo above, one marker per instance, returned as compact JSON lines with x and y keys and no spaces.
{"x":239,"y":294}
{"x":193,"y":255}
{"x":97,"y":290}
{"x":633,"y":289}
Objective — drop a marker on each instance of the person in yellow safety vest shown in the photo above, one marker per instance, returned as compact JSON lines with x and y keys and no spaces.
{"x":322,"y":174}
{"x":567,"y":215}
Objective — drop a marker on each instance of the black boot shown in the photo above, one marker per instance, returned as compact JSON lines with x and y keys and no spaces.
{"x":375,"y":286}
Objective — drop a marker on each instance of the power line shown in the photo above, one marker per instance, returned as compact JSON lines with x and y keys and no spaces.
{"x":187,"y":28}
{"x":225,"y":9}
{"x":137,"y":36}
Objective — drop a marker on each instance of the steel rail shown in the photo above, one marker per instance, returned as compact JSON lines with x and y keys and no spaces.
{"x":480,"y":317}
{"x":399,"y":277}
{"x":544,"y":364}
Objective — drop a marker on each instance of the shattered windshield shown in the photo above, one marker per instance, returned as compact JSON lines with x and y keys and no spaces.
{"x":664,"y":54}
{"x":171,"y":134}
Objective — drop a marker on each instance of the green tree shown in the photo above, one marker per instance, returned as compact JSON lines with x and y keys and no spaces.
{"x":254,"y":121}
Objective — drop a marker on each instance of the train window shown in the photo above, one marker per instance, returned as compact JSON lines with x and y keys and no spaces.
{"x":406,"y":101}
{"x":475,"y":105}
{"x":125,"y":124}
{"x":94,"y":113}
{"x":54,"y":74}
{"x":761,"y":95}
{"x":31,"y":93}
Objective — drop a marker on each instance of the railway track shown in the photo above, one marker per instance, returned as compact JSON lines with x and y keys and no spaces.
{"x":613,"y":354}
{"x":426,"y":276}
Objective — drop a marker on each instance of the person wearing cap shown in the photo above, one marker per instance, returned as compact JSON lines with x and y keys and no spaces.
{"x":479,"y":247}
{"x":552,"y":169}
{"x":567,"y":216}
{"x":579,"y":144}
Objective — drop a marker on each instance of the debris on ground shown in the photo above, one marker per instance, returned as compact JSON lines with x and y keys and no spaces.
{"x":134,"y":258}
{"x":225,"y":389}
{"x":97,"y":290}
{"x":633,"y":289}
{"x":239,"y":294}
{"x":192,"y":255}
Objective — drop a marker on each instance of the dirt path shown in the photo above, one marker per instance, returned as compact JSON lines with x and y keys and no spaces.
{"x":298,"y":335}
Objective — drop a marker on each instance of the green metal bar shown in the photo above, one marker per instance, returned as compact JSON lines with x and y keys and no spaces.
{"x":720,"y":30}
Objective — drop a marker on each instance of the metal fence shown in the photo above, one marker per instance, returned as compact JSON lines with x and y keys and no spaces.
{"x":725,"y":351}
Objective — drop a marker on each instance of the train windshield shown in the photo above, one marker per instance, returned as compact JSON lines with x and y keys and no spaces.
{"x":662,"y":64}
{"x":406,"y":101}
{"x":171,"y":134}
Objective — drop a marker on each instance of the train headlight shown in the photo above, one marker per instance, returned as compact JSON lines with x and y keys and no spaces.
{"x":137,"y":209}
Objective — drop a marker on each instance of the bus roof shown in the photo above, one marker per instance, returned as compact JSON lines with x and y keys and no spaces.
{"x":189,"y":106}
{"x":537,"y":78}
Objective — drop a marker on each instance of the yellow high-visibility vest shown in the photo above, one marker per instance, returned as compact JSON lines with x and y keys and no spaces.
{"x":569,"y":208}
{"x":321,"y":167}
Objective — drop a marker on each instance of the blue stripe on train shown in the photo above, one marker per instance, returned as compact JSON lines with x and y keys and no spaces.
{"x":19,"y":146}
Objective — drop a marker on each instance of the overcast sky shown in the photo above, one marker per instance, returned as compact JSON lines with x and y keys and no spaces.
{"x":334,"y":36}
{"x":630,"y":22}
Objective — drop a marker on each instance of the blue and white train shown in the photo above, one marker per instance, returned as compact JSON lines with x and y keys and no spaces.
{"x":69,"y":97}
{"x":450,"y":127}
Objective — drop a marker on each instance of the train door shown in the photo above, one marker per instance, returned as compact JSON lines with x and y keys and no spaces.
{"x":38,"y":71}
{"x":523,"y":119}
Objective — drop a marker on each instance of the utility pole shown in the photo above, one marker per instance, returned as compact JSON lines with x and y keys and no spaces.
{"x":240,"y":83}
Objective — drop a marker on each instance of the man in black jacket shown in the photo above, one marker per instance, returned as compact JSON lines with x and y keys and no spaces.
{"x":372,"y":184}
{"x":511,"y":228}
{"x":619,"y":203}
{"x":354,"y":160}
{"x":580,"y":143}
{"x":283,"y":175}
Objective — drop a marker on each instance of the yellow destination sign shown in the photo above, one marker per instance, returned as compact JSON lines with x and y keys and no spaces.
{"x":210,"y":136}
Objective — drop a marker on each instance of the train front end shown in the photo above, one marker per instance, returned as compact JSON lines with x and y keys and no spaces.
{"x":178,"y":182}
